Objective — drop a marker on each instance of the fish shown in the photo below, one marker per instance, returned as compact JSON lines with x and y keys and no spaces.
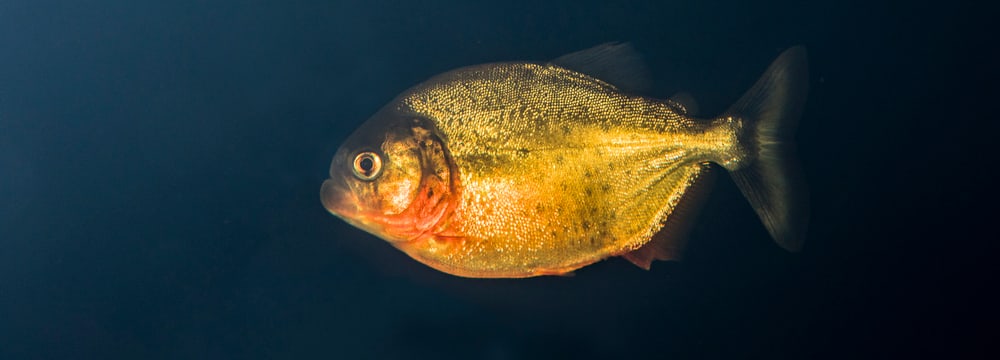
{"x":523,"y":169}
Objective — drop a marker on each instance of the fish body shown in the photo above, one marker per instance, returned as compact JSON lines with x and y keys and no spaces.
{"x":524,"y":169}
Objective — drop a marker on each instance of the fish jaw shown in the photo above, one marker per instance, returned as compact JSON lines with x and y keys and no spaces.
{"x":339,"y":200}
{"x":430,"y":208}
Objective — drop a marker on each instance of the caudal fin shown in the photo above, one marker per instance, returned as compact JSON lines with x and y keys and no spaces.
{"x":771,"y":180}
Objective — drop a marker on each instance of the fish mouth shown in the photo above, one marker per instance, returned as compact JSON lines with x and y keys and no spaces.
{"x":338,"y":199}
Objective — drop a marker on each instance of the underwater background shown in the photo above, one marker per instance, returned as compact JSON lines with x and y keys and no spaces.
{"x":160,"y":167}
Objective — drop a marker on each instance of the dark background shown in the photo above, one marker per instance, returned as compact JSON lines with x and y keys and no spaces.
{"x":160,"y":163}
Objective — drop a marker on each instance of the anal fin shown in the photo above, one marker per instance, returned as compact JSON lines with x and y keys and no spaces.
{"x":668,"y":243}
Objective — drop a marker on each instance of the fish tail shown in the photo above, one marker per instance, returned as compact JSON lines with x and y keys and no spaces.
{"x":769,"y":176}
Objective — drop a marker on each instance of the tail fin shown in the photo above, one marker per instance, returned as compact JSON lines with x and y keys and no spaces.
{"x":772,"y":179}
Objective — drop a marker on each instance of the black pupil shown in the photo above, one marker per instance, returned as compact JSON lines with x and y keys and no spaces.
{"x":367,"y":164}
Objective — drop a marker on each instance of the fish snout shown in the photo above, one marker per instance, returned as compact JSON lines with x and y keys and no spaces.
{"x":338,"y":198}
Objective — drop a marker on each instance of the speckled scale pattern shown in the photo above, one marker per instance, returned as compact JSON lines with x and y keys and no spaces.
{"x":557,"y":169}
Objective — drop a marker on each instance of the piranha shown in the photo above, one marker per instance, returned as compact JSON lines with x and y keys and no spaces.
{"x":521,"y":169}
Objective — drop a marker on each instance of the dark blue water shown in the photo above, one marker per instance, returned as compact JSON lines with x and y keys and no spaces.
{"x":160,"y":164}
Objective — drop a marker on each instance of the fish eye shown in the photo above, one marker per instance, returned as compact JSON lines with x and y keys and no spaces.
{"x":367,"y":165}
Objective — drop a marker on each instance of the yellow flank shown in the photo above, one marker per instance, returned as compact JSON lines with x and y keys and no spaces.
{"x":556,"y":169}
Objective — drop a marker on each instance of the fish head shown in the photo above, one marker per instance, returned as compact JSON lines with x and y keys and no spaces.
{"x":392,"y":178}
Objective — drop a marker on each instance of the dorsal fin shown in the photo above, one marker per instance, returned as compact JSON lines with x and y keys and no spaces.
{"x":669,"y":241}
{"x":615,"y":63}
